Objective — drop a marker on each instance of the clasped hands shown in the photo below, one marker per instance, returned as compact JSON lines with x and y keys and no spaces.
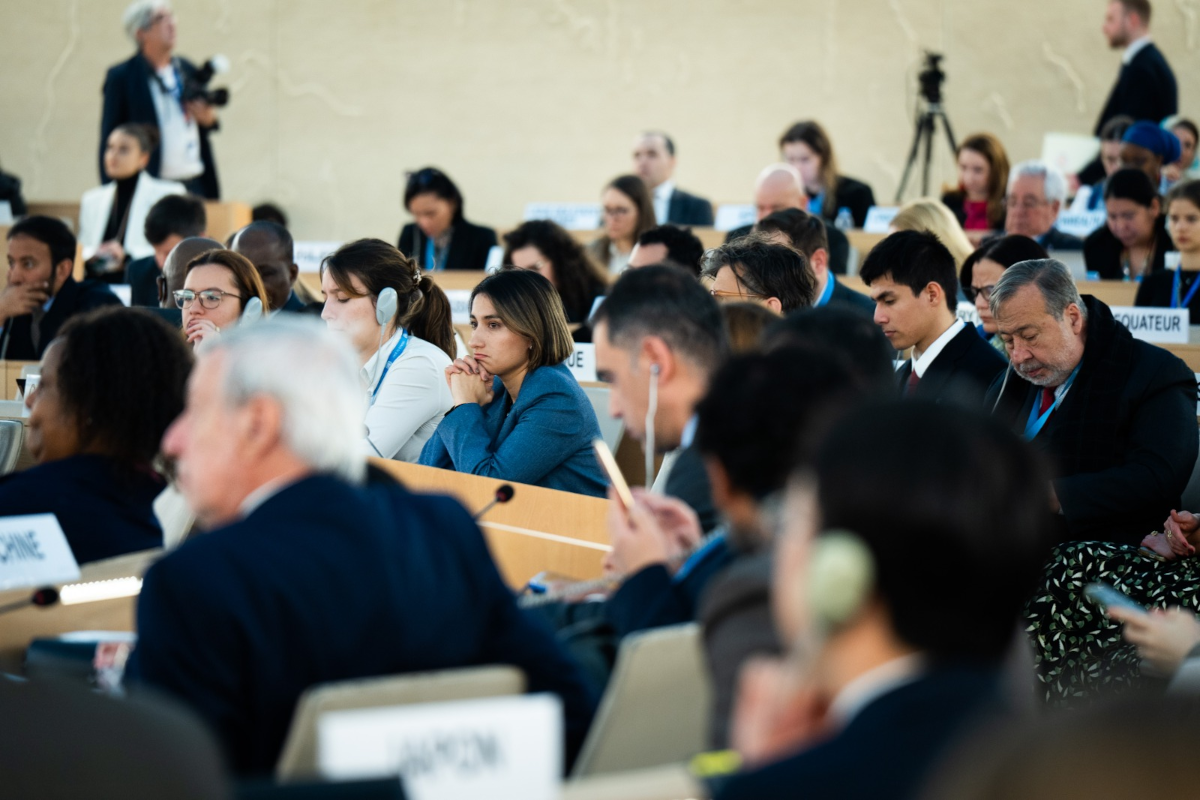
{"x":469,"y":382}
{"x":1175,"y":539}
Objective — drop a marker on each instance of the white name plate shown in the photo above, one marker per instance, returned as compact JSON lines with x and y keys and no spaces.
{"x":572,"y":216}
{"x":968,"y":313}
{"x":731,"y":216}
{"x":879,"y":218}
{"x":1197,"y":374}
{"x":582,"y":362}
{"x":1159,"y":325}
{"x":496,"y":747}
{"x":1080,"y":223}
{"x":460,"y":305}
{"x":34,"y":553}
{"x":309,"y":255}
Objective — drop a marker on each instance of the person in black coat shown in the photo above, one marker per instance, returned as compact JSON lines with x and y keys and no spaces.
{"x":807,"y":147}
{"x":1133,"y":242}
{"x":110,"y":385}
{"x":129,"y":96}
{"x":322,"y":576}
{"x":10,"y":192}
{"x":1116,"y":416}
{"x":912,"y":278}
{"x":441,"y":238}
{"x":1179,"y":288}
{"x":41,"y":294}
{"x":654,"y":163}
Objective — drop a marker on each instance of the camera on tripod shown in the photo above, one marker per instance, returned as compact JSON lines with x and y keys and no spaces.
{"x":930,"y":81}
{"x":932,"y":77}
{"x":196,"y":87}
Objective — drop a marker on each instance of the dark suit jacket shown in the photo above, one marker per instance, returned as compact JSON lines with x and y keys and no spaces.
{"x":10,"y":191}
{"x":1102,"y":251}
{"x":297,"y":306}
{"x":16,"y":341}
{"x":852,"y":194}
{"x":1123,"y":442}
{"x":544,"y":439}
{"x":173,"y":316}
{"x":127,"y":99}
{"x":845,"y":296}
{"x":839,"y":245}
{"x":330,"y":582}
{"x":82,"y":490}
{"x":142,"y":276}
{"x":688,"y":209}
{"x":1054,"y":239}
{"x":962,"y":372}
{"x":888,"y":749}
{"x":1157,"y":290}
{"x":469,"y":245}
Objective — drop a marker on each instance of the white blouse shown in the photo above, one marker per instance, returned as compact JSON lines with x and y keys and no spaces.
{"x":412,"y":399}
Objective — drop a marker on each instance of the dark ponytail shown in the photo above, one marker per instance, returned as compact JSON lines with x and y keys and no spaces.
{"x":430,"y":317}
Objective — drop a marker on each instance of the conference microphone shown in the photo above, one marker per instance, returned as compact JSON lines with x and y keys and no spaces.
{"x":504,"y":493}
{"x":43,"y":598}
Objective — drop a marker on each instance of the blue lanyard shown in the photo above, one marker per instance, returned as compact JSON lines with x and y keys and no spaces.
{"x":1175,"y":287}
{"x":1035,"y":424}
{"x":828,"y":293}
{"x":397,"y":351}
{"x":695,"y":558}
{"x":431,"y":263}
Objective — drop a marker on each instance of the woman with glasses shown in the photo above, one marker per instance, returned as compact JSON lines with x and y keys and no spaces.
{"x":439,"y":237}
{"x":628,"y":212}
{"x":1133,"y":241}
{"x":216,"y":288}
{"x":983,"y":269}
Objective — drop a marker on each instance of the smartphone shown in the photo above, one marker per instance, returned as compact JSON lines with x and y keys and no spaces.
{"x":609,"y":465}
{"x":1107,"y":597}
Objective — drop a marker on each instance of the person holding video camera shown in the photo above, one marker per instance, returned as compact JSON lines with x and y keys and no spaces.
{"x":156,"y":88}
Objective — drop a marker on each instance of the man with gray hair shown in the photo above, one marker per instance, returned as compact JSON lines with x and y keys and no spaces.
{"x":1116,"y":416}
{"x":310,"y":571}
{"x":779,"y":187}
{"x":1036,"y":192}
{"x":150,"y":88}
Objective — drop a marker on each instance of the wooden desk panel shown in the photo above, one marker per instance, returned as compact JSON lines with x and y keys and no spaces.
{"x":539,"y":529}
{"x":68,"y":212}
{"x":223,"y":219}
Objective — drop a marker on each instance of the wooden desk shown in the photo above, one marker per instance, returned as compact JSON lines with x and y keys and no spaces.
{"x":709,"y":237}
{"x":9,"y":372}
{"x":21,"y":627}
{"x":68,"y":212}
{"x":223,"y":219}
{"x":539,"y":529}
{"x":1111,"y":293}
{"x":863,"y":242}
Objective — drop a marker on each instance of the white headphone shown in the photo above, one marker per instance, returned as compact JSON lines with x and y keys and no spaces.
{"x":841,"y":577}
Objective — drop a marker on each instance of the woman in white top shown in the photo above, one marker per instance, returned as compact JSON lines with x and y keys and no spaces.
{"x":404,"y":358}
{"x":112,"y":217}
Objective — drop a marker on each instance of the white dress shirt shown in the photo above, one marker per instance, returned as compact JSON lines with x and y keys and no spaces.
{"x":662,"y":200}
{"x":1134,"y":48}
{"x":412,"y":399}
{"x":874,"y":684}
{"x":180,"y":134}
{"x":922,"y":362}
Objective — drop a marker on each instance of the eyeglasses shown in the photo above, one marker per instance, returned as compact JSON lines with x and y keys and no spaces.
{"x":209,"y":298}
{"x":980,"y":291}
{"x":721,"y":294}
{"x":616,"y":211}
{"x":1025,"y":203}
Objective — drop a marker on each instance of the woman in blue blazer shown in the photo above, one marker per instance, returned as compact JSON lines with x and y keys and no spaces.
{"x":518,"y":413}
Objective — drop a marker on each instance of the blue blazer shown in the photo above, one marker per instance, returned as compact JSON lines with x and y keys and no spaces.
{"x":104,"y":509}
{"x":330,"y":582}
{"x":545,"y":440}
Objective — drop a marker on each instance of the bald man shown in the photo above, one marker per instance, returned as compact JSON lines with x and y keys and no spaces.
{"x":654,"y":163}
{"x":780,"y":187}
{"x":268,"y":246}
{"x":174,"y":270}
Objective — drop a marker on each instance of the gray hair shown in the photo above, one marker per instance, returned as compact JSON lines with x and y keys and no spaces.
{"x":137,"y":17}
{"x":1052,"y":279}
{"x":314,"y":376}
{"x":1055,"y":185}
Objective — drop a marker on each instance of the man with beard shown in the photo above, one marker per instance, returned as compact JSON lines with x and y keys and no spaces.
{"x":1117,"y":416}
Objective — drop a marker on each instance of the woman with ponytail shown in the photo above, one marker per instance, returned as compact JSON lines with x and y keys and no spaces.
{"x":404,"y":356}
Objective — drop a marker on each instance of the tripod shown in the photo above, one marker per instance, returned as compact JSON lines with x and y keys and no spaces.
{"x":926,"y":124}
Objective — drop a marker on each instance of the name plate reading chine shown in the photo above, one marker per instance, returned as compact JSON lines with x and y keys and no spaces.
{"x":494,"y":747}
{"x":1158,"y":325}
{"x":34,"y":553}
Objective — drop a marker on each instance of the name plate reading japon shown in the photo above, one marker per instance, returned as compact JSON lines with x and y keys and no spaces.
{"x":460,"y":305}
{"x":309,"y":255}
{"x":582,"y":362}
{"x":495,"y":747}
{"x":34,"y":553}
{"x":1158,"y":325}
{"x":572,"y":216}
{"x":879,"y":218}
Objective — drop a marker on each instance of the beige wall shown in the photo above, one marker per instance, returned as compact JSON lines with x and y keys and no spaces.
{"x":538,"y":100}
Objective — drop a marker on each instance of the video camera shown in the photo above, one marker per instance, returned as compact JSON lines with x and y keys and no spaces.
{"x":932,"y":77}
{"x":196,"y":87}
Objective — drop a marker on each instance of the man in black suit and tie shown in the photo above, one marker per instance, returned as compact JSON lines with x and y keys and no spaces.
{"x":906,"y":606}
{"x":779,"y":187}
{"x":913,"y":283}
{"x":309,"y":573}
{"x":41,"y":294}
{"x":1145,"y":89}
{"x":1116,"y":416}
{"x":654,"y":163}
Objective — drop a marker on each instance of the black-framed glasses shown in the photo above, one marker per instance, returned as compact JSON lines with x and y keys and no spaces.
{"x":209,"y":298}
{"x":985,"y":292}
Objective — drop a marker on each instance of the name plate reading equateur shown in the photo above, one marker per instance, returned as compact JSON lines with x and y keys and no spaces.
{"x":1158,"y":325}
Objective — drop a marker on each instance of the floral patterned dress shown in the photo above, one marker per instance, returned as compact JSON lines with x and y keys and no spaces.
{"x":1078,"y":650}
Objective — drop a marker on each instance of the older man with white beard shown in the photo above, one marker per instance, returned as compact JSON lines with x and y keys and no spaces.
{"x":1117,"y":416}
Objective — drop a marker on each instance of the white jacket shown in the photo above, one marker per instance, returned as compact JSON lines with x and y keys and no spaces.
{"x":96,"y":205}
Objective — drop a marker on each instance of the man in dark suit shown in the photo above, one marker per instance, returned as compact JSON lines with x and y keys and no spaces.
{"x":912,"y":280}
{"x":1036,"y":192}
{"x":171,"y":220}
{"x":907,"y":620}
{"x":1145,"y":89}
{"x":1115,"y":415}
{"x":41,"y":294}
{"x":306,"y":575}
{"x":150,"y":88}
{"x":779,"y":187}
{"x":808,"y":234}
{"x":654,"y":163}
{"x":269,"y":247}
